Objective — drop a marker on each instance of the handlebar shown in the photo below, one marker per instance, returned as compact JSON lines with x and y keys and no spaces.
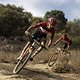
{"x":41,"y":44}
{"x":28,"y":34}
{"x":59,"y":48}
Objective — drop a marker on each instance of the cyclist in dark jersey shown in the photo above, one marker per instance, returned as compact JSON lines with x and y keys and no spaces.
{"x":43,"y":28}
{"x":64,"y":38}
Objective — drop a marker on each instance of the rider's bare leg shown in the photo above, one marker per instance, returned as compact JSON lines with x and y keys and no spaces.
{"x":24,"y":50}
{"x":38,"y":50}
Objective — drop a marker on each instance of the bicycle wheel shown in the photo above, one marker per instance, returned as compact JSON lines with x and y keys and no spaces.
{"x":21,"y":63}
{"x":52,"y":59}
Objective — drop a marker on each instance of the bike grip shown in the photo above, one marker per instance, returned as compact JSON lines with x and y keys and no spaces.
{"x":27,"y":33}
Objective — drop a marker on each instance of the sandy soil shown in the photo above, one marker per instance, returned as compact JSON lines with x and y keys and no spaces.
{"x":34,"y":72}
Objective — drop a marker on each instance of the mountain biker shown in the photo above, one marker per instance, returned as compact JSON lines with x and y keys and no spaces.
{"x":43,"y":28}
{"x":64,"y":38}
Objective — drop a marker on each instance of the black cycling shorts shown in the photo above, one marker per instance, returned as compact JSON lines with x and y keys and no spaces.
{"x":38,"y":36}
{"x":65,"y":46}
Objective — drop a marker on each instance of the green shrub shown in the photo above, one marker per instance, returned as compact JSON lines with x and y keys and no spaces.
{"x":76,"y":42}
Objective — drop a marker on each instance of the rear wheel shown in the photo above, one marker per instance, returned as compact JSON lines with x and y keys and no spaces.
{"x":21,"y":63}
{"x":52,"y":59}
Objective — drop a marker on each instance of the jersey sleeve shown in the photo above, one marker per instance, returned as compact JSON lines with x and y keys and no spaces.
{"x":40,"y":24}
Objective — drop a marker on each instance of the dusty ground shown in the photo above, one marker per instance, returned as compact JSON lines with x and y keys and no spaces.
{"x":34,"y":72}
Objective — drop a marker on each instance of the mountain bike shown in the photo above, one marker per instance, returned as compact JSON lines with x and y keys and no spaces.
{"x":59,"y":52}
{"x":28,"y":54}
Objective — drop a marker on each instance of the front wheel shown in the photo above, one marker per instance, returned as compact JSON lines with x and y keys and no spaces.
{"x":21,"y":63}
{"x":52,"y":59}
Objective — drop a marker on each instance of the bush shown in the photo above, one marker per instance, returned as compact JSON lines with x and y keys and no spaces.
{"x":76,"y":42}
{"x":62,"y":68}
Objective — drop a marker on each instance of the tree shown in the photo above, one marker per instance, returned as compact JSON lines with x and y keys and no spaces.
{"x":36,"y":20}
{"x":13,"y":20}
{"x":74,"y":27}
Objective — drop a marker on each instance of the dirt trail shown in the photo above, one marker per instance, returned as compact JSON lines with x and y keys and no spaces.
{"x":33,"y":72}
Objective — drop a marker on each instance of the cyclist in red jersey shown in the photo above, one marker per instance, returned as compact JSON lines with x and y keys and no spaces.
{"x":67,"y":41}
{"x":43,"y":28}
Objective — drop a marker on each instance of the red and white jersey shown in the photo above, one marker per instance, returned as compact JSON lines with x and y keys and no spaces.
{"x":65,"y":39}
{"x":43,"y":27}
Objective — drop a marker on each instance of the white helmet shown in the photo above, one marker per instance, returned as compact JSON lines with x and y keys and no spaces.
{"x":52,"y":20}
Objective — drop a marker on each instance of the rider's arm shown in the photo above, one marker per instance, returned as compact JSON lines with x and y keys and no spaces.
{"x":58,"y":40}
{"x":51,"y":40}
{"x":35,"y":26}
{"x":32,"y":27}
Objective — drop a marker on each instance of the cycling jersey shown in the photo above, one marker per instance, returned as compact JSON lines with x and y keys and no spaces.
{"x":43,"y":27}
{"x":66,"y":39}
{"x":42,"y":31}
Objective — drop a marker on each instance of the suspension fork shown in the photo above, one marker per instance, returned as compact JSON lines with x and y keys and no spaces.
{"x":31,"y":48}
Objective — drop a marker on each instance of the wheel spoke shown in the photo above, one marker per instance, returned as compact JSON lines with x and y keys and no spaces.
{"x":52,"y":59}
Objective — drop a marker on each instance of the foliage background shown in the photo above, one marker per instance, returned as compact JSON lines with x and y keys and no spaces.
{"x":14,"y":21}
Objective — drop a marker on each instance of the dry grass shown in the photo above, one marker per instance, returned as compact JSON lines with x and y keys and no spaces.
{"x":7,"y":57}
{"x":68,"y":64}
{"x":74,"y":61}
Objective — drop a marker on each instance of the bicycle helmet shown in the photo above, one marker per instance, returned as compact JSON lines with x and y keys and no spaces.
{"x":52,"y":20}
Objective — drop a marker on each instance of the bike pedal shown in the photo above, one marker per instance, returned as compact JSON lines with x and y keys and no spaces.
{"x":31,"y":59}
